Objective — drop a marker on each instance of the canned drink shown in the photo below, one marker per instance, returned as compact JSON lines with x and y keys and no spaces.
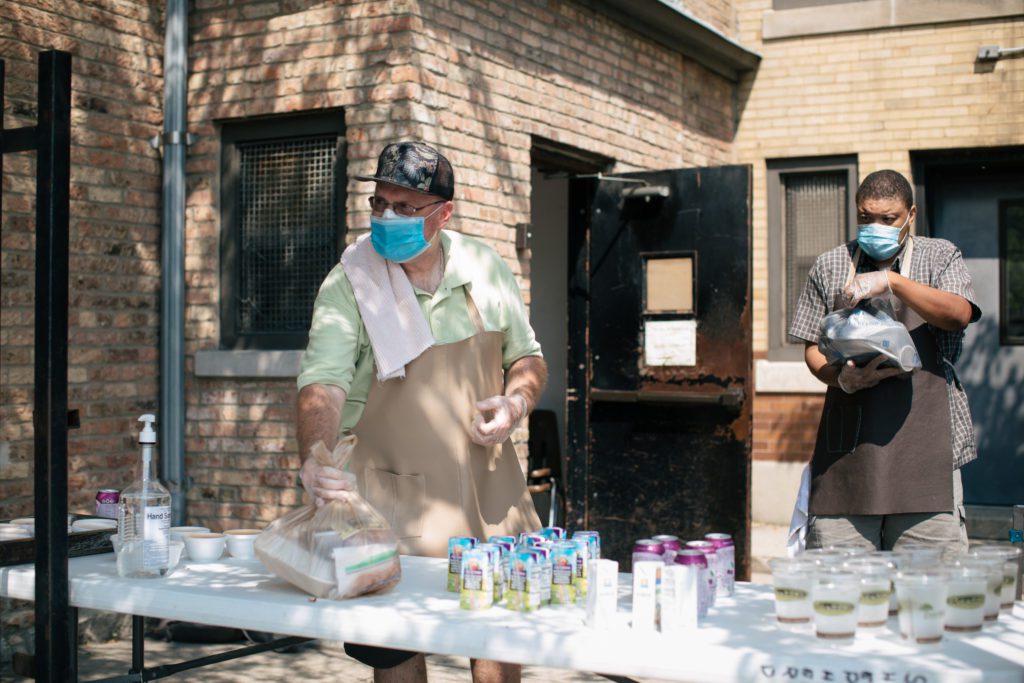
{"x":708,"y":548}
{"x":107,"y":503}
{"x":726,"y":551}
{"x":672,"y":546}
{"x":695,"y":558}
{"x":647,"y":550}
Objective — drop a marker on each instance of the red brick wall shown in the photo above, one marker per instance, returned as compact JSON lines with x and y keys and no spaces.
{"x":117,"y":91}
{"x":785,"y":426}
{"x":476,"y":78}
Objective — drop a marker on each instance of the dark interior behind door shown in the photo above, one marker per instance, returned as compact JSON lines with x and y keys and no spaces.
{"x":660,"y":449}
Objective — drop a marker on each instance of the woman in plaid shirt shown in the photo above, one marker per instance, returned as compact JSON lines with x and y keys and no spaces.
{"x":885,"y":469}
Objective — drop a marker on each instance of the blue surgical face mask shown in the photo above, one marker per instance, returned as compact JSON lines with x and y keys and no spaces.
{"x":398,"y":238}
{"x":880,"y":241}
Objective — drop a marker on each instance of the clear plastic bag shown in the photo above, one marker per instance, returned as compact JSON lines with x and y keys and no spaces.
{"x":862,"y":333}
{"x":340,"y":550}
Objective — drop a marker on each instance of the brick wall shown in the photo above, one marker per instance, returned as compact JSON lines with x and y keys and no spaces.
{"x":476,"y":78}
{"x":114,"y":241}
{"x":878,"y":95}
{"x":114,"y":249}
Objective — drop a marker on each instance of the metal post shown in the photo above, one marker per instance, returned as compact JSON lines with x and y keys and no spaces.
{"x":54,"y":632}
{"x":1017,"y":538}
{"x":171,"y":421}
{"x":138,"y":644}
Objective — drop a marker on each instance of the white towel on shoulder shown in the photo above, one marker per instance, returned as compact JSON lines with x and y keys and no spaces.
{"x":394,"y":321}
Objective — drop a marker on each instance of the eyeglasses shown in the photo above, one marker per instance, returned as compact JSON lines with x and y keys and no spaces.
{"x":379,"y":205}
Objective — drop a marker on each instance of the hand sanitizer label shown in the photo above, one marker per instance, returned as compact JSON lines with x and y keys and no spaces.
{"x":157,"y":523}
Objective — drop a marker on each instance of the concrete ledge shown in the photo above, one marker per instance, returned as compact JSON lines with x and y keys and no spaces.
{"x":773,"y":489}
{"x":881,"y":14}
{"x":785,"y":377}
{"x":259,"y":364}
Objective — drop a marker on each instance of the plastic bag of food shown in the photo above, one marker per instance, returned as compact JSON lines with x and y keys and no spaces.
{"x":862,"y":333}
{"x":341,"y":549}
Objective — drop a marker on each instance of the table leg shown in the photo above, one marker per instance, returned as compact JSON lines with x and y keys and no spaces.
{"x":73,"y":664}
{"x":138,"y":644}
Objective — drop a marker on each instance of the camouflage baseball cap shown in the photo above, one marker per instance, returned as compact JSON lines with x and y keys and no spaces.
{"x":416,"y":166}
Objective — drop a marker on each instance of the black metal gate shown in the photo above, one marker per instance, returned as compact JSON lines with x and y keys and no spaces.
{"x":659,"y":406}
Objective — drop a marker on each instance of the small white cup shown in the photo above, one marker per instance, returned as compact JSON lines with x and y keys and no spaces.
{"x":115,"y":540}
{"x":204,"y":547}
{"x":241,"y":543}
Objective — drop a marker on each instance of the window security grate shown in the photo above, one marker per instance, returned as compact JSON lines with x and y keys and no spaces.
{"x":288,"y":231}
{"x":816,"y":216}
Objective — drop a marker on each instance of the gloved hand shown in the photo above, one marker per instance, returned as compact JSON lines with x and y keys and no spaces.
{"x":323,"y":482}
{"x":852,"y":378}
{"x":866,"y":286}
{"x":497,"y":417}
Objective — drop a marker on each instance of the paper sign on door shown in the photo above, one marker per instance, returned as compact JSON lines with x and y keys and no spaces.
{"x":670,"y":342}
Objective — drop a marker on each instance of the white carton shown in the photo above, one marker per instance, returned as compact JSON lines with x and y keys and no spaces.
{"x":646,"y":579}
{"x":680,"y":597}
{"x":602,"y":598}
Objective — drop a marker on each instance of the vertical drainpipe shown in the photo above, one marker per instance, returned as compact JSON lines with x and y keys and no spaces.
{"x":172,"y":258}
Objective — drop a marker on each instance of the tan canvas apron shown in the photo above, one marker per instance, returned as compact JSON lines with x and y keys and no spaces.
{"x":887,"y":449}
{"x":416,"y":463}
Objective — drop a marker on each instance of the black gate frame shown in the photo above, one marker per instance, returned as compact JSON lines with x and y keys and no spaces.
{"x":56,"y":622}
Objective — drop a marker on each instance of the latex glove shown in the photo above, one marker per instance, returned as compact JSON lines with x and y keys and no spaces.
{"x":497,"y":417}
{"x":323,"y":483}
{"x":852,"y":378}
{"x":866,"y":286}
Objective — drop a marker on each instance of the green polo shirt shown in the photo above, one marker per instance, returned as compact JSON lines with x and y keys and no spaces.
{"x":339,"y":350}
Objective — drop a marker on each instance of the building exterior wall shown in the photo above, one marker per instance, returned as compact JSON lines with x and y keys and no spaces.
{"x":475,"y":78}
{"x":877,"y":94}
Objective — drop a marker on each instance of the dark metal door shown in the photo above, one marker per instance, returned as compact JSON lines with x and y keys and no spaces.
{"x":659,"y":406}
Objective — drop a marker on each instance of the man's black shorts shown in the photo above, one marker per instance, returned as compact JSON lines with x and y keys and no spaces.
{"x":378,"y":657}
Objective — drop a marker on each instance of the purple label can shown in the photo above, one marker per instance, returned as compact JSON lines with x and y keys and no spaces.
{"x":695,"y":558}
{"x":107,"y":503}
{"x":708,"y":548}
{"x":672,"y":546}
{"x":647,"y":549}
{"x":726,"y":551}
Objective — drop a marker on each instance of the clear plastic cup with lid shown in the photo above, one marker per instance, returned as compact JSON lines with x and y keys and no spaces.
{"x":824,"y":557}
{"x":968,"y":585}
{"x":918,"y":555}
{"x":835,"y":598}
{"x":922,"y":594}
{"x":893,"y":560}
{"x":875,"y":591}
{"x":792,"y":579}
{"x":1011,"y":567}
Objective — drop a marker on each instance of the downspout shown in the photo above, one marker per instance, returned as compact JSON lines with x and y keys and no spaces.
{"x":172,"y":258}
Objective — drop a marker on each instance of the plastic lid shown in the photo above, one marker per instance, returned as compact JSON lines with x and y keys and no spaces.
{"x":147,"y":435}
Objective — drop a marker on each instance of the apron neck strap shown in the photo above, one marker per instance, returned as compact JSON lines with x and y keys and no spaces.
{"x":474,"y":312}
{"x":908,"y":255}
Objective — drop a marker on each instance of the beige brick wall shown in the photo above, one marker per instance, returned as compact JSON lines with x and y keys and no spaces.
{"x":477,"y":79}
{"x":875,"y":94}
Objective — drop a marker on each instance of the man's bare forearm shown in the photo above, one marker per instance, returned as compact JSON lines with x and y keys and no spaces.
{"x":944,"y":310}
{"x":318,"y":416}
{"x":527,"y":377}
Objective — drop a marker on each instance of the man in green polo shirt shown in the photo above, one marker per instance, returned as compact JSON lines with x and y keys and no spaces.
{"x":421,"y":347}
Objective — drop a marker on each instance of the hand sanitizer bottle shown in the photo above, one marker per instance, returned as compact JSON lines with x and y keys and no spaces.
{"x":144,"y":517}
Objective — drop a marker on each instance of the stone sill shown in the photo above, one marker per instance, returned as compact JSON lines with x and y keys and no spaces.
{"x":785,"y":377}
{"x":248,"y":364}
{"x":872,"y":15}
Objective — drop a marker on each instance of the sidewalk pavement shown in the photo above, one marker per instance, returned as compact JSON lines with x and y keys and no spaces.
{"x":327,"y":662}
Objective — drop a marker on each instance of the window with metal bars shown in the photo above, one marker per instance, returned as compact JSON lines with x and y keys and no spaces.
{"x":810,"y":210}
{"x":283,"y":225}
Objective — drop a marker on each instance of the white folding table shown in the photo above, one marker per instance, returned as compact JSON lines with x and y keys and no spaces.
{"x":739,"y":641}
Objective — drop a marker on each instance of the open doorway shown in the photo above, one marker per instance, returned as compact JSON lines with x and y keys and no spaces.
{"x":552,"y":165}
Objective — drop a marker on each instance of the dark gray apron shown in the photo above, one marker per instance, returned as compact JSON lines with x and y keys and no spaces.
{"x":887,"y":449}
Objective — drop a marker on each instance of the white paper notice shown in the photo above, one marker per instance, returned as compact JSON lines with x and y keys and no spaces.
{"x":670,"y":342}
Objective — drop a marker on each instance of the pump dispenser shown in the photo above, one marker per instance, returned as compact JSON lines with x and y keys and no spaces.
{"x":144,"y":517}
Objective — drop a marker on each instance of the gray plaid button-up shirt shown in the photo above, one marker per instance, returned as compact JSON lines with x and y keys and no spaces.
{"x":936,"y":263}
